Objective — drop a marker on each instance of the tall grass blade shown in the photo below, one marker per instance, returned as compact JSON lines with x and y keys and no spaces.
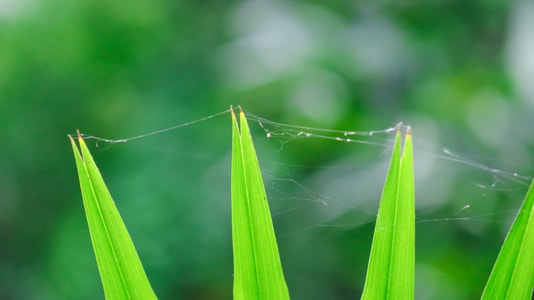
{"x":257,"y":269}
{"x":512,"y":276}
{"x":391,"y":269}
{"x":121,"y":272}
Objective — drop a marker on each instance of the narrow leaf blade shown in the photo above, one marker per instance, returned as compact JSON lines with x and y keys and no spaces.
{"x":512,"y":276}
{"x":391,"y":269}
{"x":402,"y":270}
{"x":258,"y":271}
{"x":120,"y":268}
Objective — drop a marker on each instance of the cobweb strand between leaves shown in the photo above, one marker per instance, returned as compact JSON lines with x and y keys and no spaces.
{"x":344,"y":192}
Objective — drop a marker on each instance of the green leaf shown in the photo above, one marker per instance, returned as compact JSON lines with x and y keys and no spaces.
{"x":391,"y":269}
{"x":257,"y":269}
{"x":512,"y":276}
{"x":121,"y":272}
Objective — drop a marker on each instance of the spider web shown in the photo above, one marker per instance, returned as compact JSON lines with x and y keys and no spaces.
{"x":325,"y":179}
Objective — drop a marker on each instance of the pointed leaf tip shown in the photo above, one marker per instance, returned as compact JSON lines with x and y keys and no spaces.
{"x":258,"y":271}
{"x":233,"y":114}
{"x":120,"y":268}
{"x":391,"y":267}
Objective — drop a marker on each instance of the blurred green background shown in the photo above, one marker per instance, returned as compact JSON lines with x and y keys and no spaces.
{"x":461,"y":73}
